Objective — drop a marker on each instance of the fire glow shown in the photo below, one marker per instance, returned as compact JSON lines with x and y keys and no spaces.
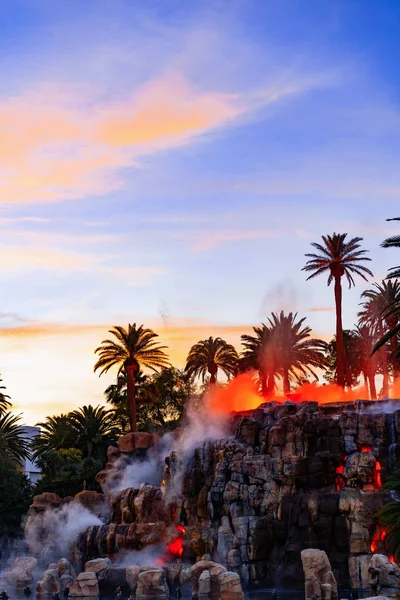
{"x":242,"y":393}
{"x":340,"y":483}
{"x":175,"y":548}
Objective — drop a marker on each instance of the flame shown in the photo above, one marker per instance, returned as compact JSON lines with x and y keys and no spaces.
{"x":164,"y":481}
{"x":176,"y":546}
{"x":339,"y":477}
{"x":364,"y":449}
{"x":239,"y":394}
{"x":324,"y":394}
{"x":378,"y":469}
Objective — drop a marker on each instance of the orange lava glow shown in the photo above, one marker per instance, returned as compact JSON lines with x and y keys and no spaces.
{"x":366,"y":449}
{"x":324,"y":394}
{"x":377,"y":475}
{"x":239,"y":394}
{"x":379,"y":536}
{"x":176,"y":546}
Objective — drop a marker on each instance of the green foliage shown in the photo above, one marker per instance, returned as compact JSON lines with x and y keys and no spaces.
{"x":352,"y":359}
{"x":15,"y":497}
{"x":13,"y":443}
{"x":161,"y":399}
{"x":4,"y":398}
{"x":389,"y":517}
{"x":90,"y":430}
{"x":66,"y":473}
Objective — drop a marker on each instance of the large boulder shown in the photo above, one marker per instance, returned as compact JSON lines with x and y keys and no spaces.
{"x":384,"y":576}
{"x":98,"y":566}
{"x":85,"y":585}
{"x":138,"y":440}
{"x":152,"y":583}
{"x":319,"y":579}
{"x":49,"y":583}
{"x":20,"y":573}
{"x":230,"y":587}
{"x":93,"y":501}
{"x":132,"y":576}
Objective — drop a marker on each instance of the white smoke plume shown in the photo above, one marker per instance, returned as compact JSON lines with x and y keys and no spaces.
{"x":52,"y":533}
{"x":150,"y":556}
{"x":199,"y":426}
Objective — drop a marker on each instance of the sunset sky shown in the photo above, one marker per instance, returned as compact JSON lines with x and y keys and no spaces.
{"x":169,"y":163}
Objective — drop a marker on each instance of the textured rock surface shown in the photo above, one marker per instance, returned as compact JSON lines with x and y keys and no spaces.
{"x":318,"y":577}
{"x":384,"y":576}
{"x":85,"y":585}
{"x":20,"y":572}
{"x":291,"y":476}
{"x":56,"y":578}
{"x":152,"y":583}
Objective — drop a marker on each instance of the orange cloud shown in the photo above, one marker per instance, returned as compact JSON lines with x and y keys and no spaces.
{"x":56,"y":145}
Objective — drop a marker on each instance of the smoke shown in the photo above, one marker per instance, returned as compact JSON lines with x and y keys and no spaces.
{"x":52,"y":533}
{"x":148,"y":471}
{"x":199,"y":426}
{"x":150,"y":556}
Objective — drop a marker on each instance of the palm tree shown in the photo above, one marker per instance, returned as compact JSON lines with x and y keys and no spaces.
{"x":365,"y":340}
{"x":4,"y":399}
{"x":133,"y":348}
{"x":259,"y":355}
{"x":207,"y":356}
{"x":337,"y":257}
{"x":13,"y":443}
{"x":93,"y":430}
{"x":297,"y":354}
{"x":381,"y":310}
{"x":89,"y":429}
{"x":392,"y":242}
{"x":55,"y":434}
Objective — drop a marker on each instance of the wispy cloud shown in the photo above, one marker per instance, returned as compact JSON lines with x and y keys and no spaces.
{"x":209,"y":240}
{"x":62,"y":142}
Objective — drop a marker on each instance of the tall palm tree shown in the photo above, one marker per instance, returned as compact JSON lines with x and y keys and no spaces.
{"x":259,"y":354}
{"x":4,"y":399}
{"x":297,"y":353}
{"x":134,"y":347}
{"x":365,"y":339}
{"x":381,"y":310}
{"x":13,"y":442}
{"x":338,"y":258}
{"x":207,"y":356}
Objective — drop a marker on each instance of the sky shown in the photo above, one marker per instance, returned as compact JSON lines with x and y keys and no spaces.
{"x":169,"y":163}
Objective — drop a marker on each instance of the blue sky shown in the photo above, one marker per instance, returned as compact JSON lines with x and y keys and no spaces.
{"x":170,"y":163}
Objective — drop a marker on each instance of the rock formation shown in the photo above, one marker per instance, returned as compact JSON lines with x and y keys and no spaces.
{"x":319,"y":579}
{"x":384,"y":576}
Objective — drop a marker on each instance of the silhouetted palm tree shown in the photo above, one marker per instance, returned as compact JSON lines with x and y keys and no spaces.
{"x":392,"y":242}
{"x":133,"y":348}
{"x":14,"y":445}
{"x":338,"y":258}
{"x":297,"y":354}
{"x":381,"y":310}
{"x":4,"y":399}
{"x":365,"y":339}
{"x":207,"y":356}
{"x":93,"y":430}
{"x":258,"y":354}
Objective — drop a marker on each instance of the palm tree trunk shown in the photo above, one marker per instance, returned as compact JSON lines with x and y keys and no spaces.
{"x":384,"y":363}
{"x":270,"y":385}
{"x":286,"y":382}
{"x":213,"y":379}
{"x":130,"y":378}
{"x":339,"y":333}
{"x":264,"y":385}
{"x":372,"y":388}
